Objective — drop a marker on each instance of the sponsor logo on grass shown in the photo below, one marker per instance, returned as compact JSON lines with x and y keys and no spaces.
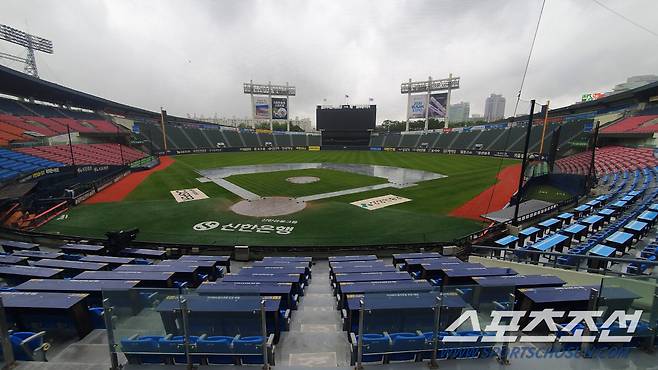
{"x":206,"y":225}
{"x":186,"y":195}
{"x":245,"y":228}
{"x":372,"y":204}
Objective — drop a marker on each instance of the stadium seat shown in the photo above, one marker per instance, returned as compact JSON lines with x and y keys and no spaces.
{"x":250,"y":349}
{"x":176,"y":344}
{"x":135,"y":347}
{"x":28,"y":346}
{"x":217,"y":344}
{"x":97,"y":319}
{"x":374,"y":347}
{"x":407,"y":345}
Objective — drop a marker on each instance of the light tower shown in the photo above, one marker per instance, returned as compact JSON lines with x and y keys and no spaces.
{"x":30,"y":42}
{"x":269,"y":101}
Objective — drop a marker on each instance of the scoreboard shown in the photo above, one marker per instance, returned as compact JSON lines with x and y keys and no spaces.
{"x":346,"y":118}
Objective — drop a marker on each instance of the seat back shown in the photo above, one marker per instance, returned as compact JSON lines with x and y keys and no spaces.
{"x":217,"y":344}
{"x":136,"y":350}
{"x":250,"y":349}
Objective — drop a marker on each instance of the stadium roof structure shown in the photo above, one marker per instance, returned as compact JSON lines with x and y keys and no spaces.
{"x":620,"y":100}
{"x":22,"y":85}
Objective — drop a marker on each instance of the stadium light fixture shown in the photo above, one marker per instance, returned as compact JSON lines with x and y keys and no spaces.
{"x":270,"y":90}
{"x":30,"y":42}
{"x":427,"y":87}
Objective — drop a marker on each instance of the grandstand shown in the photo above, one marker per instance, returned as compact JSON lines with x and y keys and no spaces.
{"x":120,"y":249}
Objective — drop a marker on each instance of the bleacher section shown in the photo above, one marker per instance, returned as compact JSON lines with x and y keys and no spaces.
{"x":13,"y":164}
{"x":608,"y":160}
{"x":111,"y":154}
{"x":610,"y":225}
{"x":409,"y":140}
{"x":190,"y":138}
{"x":633,"y":125}
{"x":57,"y":125}
{"x":249,"y":313}
{"x":495,"y":139}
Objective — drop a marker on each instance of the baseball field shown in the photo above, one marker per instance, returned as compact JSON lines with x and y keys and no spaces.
{"x":189,"y":199}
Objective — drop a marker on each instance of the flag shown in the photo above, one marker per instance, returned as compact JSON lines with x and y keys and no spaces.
{"x":346,"y":96}
{"x":371,"y":99}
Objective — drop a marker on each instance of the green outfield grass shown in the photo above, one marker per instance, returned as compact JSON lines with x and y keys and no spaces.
{"x":274,"y":183}
{"x":547,"y":193}
{"x":331,"y":221}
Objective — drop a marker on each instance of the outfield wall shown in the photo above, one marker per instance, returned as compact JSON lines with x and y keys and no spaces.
{"x":482,"y":153}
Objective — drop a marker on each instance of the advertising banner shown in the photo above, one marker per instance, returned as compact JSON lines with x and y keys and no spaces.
{"x":261,"y":107}
{"x":417,"y":106}
{"x":372,"y":204}
{"x":279,"y":108}
{"x":438,"y":103}
{"x":186,"y":195}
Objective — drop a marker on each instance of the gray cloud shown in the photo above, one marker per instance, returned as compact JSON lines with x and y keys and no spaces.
{"x":192,"y":56}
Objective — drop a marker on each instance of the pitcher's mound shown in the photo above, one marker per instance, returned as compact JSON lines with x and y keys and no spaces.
{"x":268,"y":207}
{"x":303,"y":179}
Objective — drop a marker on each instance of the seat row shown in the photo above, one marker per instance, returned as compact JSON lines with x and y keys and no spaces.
{"x":203,"y":350}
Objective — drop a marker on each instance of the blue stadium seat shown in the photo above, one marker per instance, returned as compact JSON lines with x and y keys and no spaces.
{"x":97,"y":320}
{"x":372,"y":343}
{"x":250,"y":349}
{"x":409,"y":346}
{"x":217,"y":344}
{"x":176,"y":344}
{"x":28,"y":346}
{"x":137,"y":349}
{"x":442,"y":352}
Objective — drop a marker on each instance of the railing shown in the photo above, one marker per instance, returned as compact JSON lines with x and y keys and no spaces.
{"x":508,"y":254}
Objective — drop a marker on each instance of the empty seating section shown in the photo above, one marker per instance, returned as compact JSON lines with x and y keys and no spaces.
{"x":298,"y":140}
{"x":464,"y":140}
{"x":387,"y":306}
{"x":608,"y":160}
{"x":487,"y":138}
{"x":409,"y":140}
{"x":14,"y":163}
{"x":252,"y":139}
{"x":233,"y":138}
{"x":57,"y":125}
{"x":9,"y":133}
{"x":633,"y":125}
{"x":377,"y":140}
{"x":190,"y":138}
{"x":216,"y":138}
{"x":198,"y":137}
{"x":85,"y":153}
{"x":445,"y":139}
{"x":10,"y":106}
{"x":606,"y":226}
{"x":426,"y":140}
{"x":178,"y":137}
{"x":392,"y":140}
{"x":494,"y":139}
{"x":314,"y":140}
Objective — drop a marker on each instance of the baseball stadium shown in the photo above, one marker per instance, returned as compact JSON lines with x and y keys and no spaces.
{"x":139,"y":238}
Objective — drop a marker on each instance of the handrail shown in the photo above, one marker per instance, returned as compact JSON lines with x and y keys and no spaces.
{"x":553,"y":263}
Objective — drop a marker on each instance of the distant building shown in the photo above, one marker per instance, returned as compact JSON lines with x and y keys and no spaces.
{"x":633,"y":82}
{"x":494,"y":108}
{"x":459,"y":112}
{"x":304,"y":123}
{"x":475,"y":117}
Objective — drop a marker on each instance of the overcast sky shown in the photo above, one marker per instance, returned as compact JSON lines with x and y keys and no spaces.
{"x":193,"y":56}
